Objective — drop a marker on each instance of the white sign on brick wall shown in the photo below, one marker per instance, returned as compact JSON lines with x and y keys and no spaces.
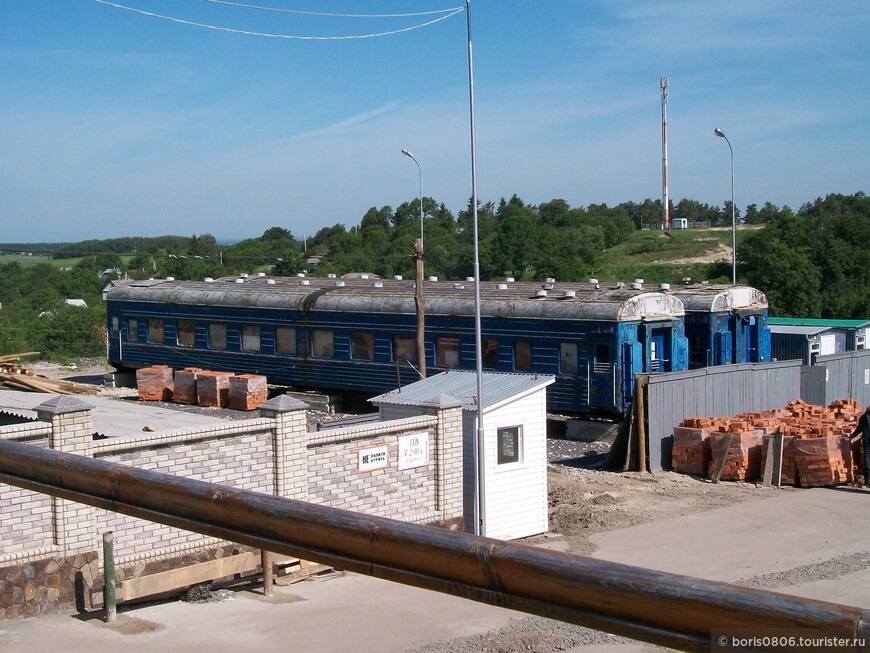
{"x":414,"y":450}
{"x":371,"y":458}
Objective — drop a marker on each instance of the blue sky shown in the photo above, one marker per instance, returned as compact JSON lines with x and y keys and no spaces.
{"x":115,"y":123}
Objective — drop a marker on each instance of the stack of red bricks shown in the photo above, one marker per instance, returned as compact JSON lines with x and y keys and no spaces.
{"x":213,"y":388}
{"x":247,"y":391}
{"x":816,"y":447}
{"x":155,"y":383}
{"x":192,"y":385}
{"x":185,"y":385}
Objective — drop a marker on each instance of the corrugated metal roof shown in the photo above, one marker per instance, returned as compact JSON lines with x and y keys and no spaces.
{"x":792,"y":329}
{"x":806,"y":321}
{"x":498,"y":388}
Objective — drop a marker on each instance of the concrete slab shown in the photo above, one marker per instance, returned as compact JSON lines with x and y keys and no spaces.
{"x":749,"y":539}
{"x":118,"y":417}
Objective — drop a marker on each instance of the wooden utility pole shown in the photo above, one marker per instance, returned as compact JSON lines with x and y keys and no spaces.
{"x":421,"y":317}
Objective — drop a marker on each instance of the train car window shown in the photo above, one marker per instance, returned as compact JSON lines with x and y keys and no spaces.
{"x":217,"y":335}
{"x":522,"y":355}
{"x":508,"y":449}
{"x":490,"y":353}
{"x":250,"y":337}
{"x":132,"y":329}
{"x":285,"y":340}
{"x":155,"y":330}
{"x":447,"y":351}
{"x":184,"y":333}
{"x":321,"y":343}
{"x":405,"y":348}
{"x":602,"y":359}
{"x":568,"y":358}
{"x":362,"y":346}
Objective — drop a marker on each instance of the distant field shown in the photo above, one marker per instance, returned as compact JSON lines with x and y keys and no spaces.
{"x":25,"y":260}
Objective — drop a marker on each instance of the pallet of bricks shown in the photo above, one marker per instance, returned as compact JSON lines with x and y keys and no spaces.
{"x":816,"y":449}
{"x":192,"y":385}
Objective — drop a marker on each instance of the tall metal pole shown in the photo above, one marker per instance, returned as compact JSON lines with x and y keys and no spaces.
{"x":666,"y":218}
{"x":420,"y":176}
{"x":479,"y":448}
{"x":418,"y":292}
{"x":721,"y":134}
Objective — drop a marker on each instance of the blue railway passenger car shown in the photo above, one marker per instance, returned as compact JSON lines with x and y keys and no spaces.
{"x":359,"y":334}
{"x":725,"y":324}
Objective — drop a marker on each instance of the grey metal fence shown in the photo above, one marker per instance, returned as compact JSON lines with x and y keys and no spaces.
{"x":732,"y":389}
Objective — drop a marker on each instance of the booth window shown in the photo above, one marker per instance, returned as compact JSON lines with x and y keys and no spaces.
{"x":285,"y":340}
{"x":217,"y":335}
{"x":155,"y":330}
{"x":250,"y":337}
{"x":508,"y":449}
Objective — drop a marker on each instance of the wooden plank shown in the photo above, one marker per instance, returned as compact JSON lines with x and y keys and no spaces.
{"x":773,"y":461}
{"x":721,"y":456}
{"x":290,"y":570}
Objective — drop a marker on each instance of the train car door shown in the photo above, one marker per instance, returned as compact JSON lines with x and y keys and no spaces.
{"x":660,"y":358}
{"x":604,"y":378}
{"x":721,"y":348}
{"x":575,"y":366}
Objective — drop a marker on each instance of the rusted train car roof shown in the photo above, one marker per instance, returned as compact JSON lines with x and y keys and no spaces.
{"x":559,"y":301}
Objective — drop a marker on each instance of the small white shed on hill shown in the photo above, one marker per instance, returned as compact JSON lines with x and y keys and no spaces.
{"x":510,"y":501}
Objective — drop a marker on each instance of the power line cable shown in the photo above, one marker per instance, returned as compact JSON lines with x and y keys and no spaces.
{"x":330,"y":15}
{"x":300,"y":37}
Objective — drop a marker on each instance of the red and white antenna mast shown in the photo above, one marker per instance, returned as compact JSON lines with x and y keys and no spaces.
{"x":666,"y":220}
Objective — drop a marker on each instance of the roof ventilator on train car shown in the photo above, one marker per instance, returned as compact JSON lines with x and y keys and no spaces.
{"x":378,"y":284}
{"x":664,"y":286}
{"x":270,"y":282}
{"x":208,"y":280}
{"x":569,"y":294}
{"x":540,"y":294}
{"x":339,"y":284}
{"x":304,"y":282}
{"x":239,"y":280}
{"x":501,"y":286}
{"x":458,"y":286}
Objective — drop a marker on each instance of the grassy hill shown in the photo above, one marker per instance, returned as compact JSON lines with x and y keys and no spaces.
{"x":670,"y":256}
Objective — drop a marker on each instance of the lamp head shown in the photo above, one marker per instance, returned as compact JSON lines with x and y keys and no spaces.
{"x":407,"y":153}
{"x":719,"y":133}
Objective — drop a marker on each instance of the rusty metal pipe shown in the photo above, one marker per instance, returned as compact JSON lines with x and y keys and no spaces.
{"x":661,"y":608}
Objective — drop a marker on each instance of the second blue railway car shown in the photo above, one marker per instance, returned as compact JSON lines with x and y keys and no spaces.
{"x":359,"y":335}
{"x":725,"y":324}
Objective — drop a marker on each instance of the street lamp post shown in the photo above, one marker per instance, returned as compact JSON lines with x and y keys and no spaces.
{"x":721,"y":134}
{"x":418,"y":292}
{"x":420,"y":174}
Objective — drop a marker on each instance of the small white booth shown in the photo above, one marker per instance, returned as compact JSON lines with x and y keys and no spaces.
{"x":510,"y":501}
